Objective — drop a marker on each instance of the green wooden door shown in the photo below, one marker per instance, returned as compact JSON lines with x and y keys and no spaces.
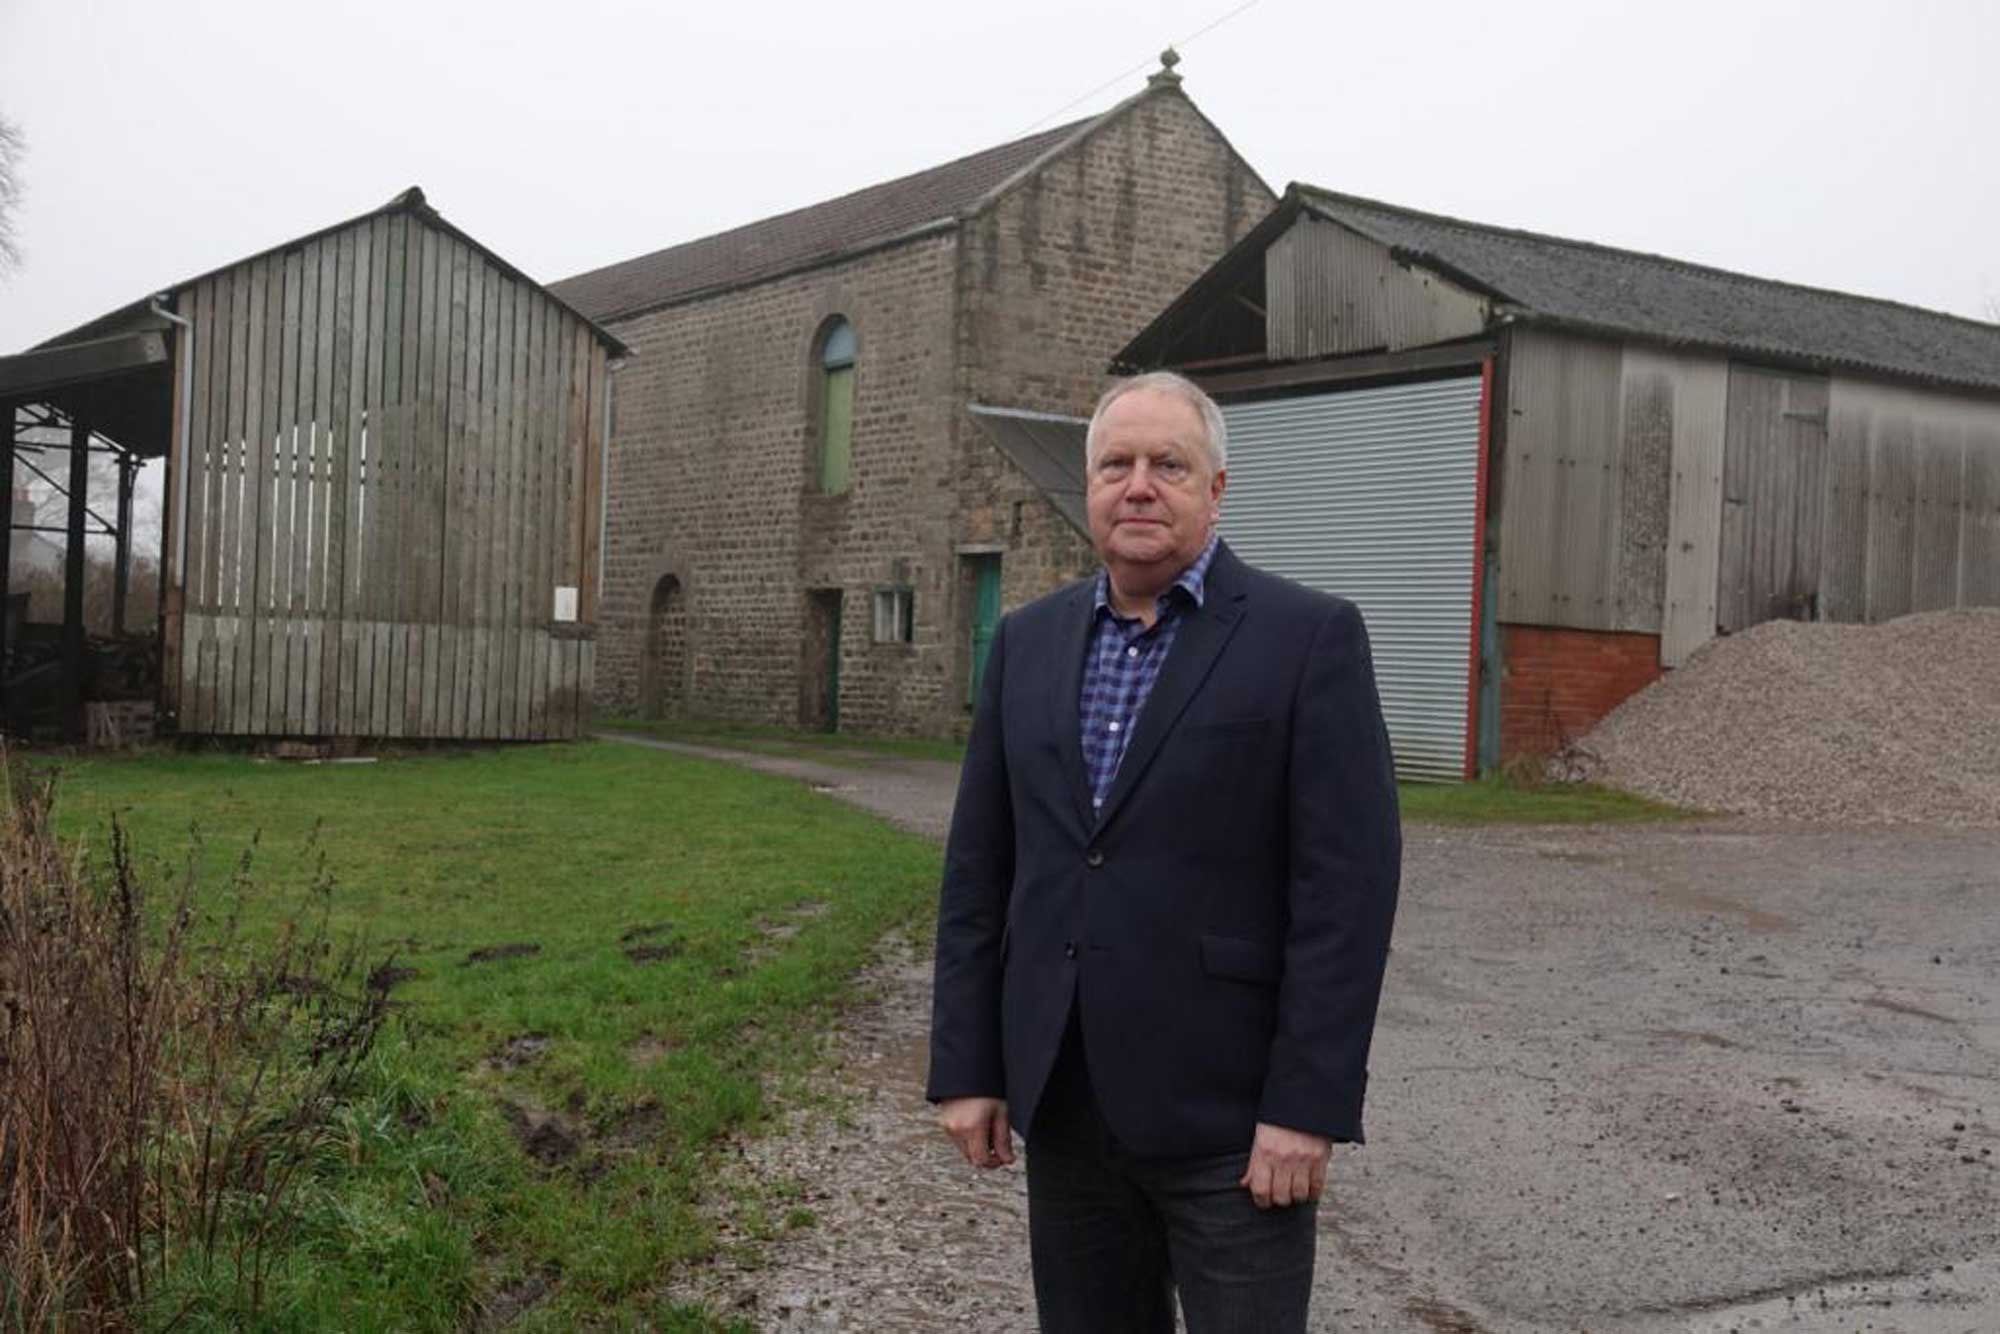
{"x":985,"y":617}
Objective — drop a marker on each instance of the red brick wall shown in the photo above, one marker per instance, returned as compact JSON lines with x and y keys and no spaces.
{"x":1556,"y":684}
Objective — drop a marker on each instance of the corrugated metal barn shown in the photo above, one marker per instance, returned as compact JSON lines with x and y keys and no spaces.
{"x":384,"y":483}
{"x":1550,"y":470}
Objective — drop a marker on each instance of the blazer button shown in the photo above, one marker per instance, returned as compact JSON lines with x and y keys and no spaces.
{"x":1069,"y":949}
{"x":1094,"y":858}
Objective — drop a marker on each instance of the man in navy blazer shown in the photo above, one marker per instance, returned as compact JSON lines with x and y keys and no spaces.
{"x":1167,"y":900}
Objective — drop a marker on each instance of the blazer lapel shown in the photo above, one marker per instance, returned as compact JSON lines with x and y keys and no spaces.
{"x":1197,"y":645}
{"x":1064,"y":714}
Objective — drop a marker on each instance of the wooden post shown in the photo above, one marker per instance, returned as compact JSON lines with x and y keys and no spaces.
{"x":121,"y":579}
{"x":8,"y":413}
{"x":72,"y":627}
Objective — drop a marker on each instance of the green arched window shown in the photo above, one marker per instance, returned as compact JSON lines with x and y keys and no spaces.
{"x":836,"y":405}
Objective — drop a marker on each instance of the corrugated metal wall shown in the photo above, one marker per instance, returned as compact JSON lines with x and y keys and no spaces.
{"x":1372,"y":494}
{"x":1329,"y":292}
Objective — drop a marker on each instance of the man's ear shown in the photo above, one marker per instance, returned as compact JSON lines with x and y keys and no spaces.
{"x":1217,"y":485}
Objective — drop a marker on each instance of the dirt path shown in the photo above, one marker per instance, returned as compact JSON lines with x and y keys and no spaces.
{"x":1637,"y":1079}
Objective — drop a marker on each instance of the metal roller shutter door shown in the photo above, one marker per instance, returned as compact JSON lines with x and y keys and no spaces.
{"x":1372,"y":494}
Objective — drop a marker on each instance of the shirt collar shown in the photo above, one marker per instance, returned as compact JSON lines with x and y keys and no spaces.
{"x":1193,"y":580}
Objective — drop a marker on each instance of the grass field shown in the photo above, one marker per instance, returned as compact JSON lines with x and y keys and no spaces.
{"x":609,"y":949}
{"x":667,"y":932}
{"x":830,"y":747}
{"x":1497,"y":801}
{"x":1489,"y":801}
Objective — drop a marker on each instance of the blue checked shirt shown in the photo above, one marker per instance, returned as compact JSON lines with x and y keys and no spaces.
{"x":1120,"y":665}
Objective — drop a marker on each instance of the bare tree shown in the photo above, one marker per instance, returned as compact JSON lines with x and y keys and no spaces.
{"x":13,"y":147}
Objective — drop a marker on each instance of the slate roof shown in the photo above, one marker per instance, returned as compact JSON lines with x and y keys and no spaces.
{"x":1599,"y":288}
{"x":773,"y":246}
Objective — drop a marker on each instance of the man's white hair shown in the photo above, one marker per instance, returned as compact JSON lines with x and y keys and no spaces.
{"x":1216,"y":445}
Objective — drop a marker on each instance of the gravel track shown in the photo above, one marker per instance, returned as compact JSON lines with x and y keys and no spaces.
{"x":1849,"y":724}
{"x":1640,"y":1080}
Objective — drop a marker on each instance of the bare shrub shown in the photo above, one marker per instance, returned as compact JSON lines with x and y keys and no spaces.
{"x":165,"y":1078}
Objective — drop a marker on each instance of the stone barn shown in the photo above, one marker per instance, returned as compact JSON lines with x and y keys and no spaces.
{"x":829,"y":468}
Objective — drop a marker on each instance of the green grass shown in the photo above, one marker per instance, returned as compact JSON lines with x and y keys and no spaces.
{"x":1492,"y":801}
{"x":763,"y":898}
{"x":828,"y":746}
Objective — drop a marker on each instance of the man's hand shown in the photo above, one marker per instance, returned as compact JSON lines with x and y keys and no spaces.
{"x":1286,"y":1166}
{"x":979,"y":1127}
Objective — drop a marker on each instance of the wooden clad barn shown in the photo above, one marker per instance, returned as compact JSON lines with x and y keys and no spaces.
{"x":384,"y":490}
{"x":1550,"y":471}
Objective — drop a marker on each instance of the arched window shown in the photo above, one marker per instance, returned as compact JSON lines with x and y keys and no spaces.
{"x":836,"y":405}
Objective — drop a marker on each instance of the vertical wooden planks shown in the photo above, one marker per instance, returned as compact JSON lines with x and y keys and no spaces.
{"x":365,"y":541}
{"x":592,"y":507}
{"x":452,"y":492}
{"x":1843,"y":579}
{"x":196,"y":464}
{"x":249,"y":513}
{"x":479,"y":504}
{"x":520,"y":446}
{"x":579,"y":432}
{"x":517,"y":446}
{"x":387,"y":457}
{"x":1939,"y":498}
{"x":276,"y":679}
{"x":342,"y":423}
{"x":528,"y":716}
{"x":416,"y":576}
{"x":263,"y":476}
{"x":1774,"y":486}
{"x":478,"y":360}
{"x":1891,"y":518}
{"x":317,"y":622}
{"x":1979,"y":550}
{"x":494,"y":539}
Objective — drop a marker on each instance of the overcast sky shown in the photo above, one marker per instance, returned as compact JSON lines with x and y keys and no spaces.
{"x":1849,"y":145}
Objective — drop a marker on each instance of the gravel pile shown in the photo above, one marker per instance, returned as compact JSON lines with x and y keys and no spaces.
{"x":1891,"y":723}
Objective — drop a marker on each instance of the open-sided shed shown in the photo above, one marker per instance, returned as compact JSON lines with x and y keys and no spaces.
{"x":384,"y":486}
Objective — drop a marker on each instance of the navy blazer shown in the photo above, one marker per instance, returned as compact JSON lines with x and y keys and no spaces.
{"x":1224,"y":924}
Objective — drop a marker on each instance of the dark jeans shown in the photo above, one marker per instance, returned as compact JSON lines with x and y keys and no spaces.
{"x":1113,"y":1235}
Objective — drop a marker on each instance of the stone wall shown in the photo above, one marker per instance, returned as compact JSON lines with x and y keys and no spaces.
{"x":1060,"y":274}
{"x":713,"y":482}
{"x":712,"y":478}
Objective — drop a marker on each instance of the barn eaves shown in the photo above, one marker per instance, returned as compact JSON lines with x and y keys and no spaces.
{"x":1534,"y":278}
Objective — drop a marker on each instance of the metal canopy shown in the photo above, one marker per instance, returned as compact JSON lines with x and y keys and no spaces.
{"x":1048,"y":448}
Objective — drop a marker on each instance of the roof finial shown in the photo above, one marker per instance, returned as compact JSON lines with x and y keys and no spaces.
{"x":1165,"y":77}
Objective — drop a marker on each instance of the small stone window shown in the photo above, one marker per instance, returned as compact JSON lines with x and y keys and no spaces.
{"x":836,"y":405}
{"x":895,"y":615}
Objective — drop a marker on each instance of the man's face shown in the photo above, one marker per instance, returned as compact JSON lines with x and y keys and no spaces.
{"x":1152,"y":496}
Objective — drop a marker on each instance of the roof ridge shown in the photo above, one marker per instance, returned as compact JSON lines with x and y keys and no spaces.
{"x":1054,"y":135}
{"x":1309,"y":191}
